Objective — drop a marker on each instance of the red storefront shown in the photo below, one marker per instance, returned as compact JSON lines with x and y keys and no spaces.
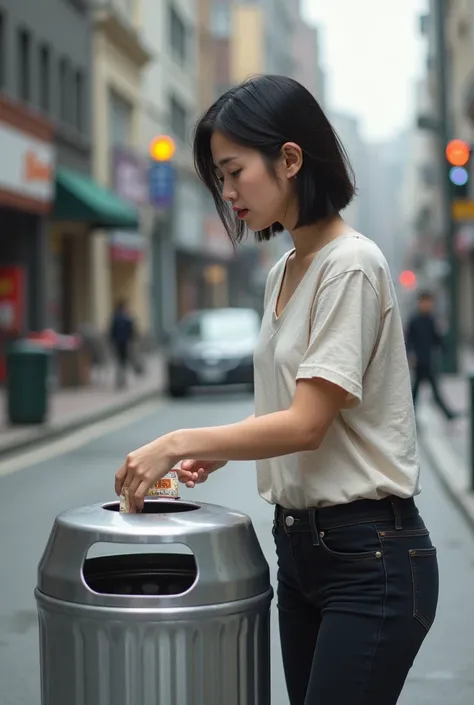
{"x":26,"y":194}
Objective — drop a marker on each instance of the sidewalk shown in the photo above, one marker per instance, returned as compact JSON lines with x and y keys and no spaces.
{"x":71,"y":409}
{"x":447,"y":444}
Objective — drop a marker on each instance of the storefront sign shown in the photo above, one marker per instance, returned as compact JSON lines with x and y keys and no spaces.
{"x":130,"y":177}
{"x":125,"y":246}
{"x":464,"y":239}
{"x":162,"y":184}
{"x":26,"y":165}
{"x":12,"y":291}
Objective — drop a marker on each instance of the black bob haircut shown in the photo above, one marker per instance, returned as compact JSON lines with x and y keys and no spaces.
{"x":264,"y":113}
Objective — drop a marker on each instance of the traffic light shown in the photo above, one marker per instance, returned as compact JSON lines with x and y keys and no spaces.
{"x":162,"y":148}
{"x":407,"y":279}
{"x":458,"y":155}
{"x":162,"y":175}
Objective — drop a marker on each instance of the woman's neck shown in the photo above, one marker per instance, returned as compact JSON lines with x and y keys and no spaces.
{"x":311,"y":238}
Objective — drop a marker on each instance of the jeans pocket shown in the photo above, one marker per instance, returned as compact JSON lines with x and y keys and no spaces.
{"x":353,"y":543}
{"x":425,"y":577}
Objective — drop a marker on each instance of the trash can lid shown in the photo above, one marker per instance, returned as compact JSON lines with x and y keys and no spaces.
{"x":24,"y":346}
{"x":229,"y":560}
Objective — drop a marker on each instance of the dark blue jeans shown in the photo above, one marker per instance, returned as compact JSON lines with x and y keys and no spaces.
{"x":357,"y":594}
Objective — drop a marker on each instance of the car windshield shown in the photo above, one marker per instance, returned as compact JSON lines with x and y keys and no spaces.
{"x":222,"y":325}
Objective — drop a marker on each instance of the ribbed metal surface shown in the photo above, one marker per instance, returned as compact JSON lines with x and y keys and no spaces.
{"x":105,"y":640}
{"x":94,"y":656}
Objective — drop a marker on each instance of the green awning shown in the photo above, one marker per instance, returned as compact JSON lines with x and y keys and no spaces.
{"x":81,"y":199}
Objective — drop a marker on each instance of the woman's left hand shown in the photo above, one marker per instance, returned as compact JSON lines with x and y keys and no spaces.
{"x":141,"y":470}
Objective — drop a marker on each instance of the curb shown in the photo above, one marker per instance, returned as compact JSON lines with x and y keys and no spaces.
{"x":441,"y":456}
{"x":44,"y":433}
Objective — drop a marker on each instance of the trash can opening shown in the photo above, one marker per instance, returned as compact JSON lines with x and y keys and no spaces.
{"x":158,"y":506}
{"x":141,"y":574}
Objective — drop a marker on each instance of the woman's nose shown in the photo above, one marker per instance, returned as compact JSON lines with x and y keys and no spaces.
{"x":228,"y":193}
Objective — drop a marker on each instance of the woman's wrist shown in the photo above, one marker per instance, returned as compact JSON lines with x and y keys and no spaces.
{"x":171,"y":447}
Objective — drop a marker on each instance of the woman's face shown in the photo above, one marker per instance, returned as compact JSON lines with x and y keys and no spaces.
{"x":256,"y":196}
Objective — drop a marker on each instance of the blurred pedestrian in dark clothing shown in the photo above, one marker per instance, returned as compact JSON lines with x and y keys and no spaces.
{"x":122,"y":333}
{"x":423,"y":341}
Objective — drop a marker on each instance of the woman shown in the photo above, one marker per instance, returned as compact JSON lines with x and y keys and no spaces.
{"x":333,"y":432}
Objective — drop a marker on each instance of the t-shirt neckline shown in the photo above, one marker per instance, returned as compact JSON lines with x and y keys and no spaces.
{"x":277,"y":320}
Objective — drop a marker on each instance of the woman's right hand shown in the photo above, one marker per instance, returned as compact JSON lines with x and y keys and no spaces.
{"x":195,"y":472}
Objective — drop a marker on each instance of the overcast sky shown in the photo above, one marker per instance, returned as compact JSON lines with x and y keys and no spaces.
{"x":372,"y":52}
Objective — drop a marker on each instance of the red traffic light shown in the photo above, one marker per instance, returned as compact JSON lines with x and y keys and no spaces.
{"x":407,"y":279}
{"x":458,"y":152}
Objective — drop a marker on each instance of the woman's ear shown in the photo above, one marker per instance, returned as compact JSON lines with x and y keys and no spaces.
{"x":292,"y":155}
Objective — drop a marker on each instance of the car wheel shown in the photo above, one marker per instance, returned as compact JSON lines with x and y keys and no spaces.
{"x":177,"y":392}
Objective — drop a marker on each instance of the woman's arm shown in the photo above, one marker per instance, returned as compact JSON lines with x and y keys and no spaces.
{"x":299,"y":428}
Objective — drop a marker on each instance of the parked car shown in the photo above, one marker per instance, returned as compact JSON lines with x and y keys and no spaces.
{"x":213,"y":347}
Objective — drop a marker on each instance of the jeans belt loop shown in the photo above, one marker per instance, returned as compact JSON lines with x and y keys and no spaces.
{"x":314,"y":528}
{"x":397,"y":513}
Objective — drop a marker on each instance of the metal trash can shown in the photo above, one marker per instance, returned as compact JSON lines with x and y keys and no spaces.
{"x":27,"y":372}
{"x":148,"y":628}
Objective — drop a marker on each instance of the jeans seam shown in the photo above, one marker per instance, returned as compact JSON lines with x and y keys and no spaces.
{"x":416,"y":612}
{"x":382,"y":622}
{"x":300,"y":586}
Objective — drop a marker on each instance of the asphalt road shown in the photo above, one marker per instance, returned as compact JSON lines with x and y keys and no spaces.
{"x":30,"y":498}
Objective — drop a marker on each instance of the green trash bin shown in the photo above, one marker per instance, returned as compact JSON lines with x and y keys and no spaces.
{"x":27,"y":368}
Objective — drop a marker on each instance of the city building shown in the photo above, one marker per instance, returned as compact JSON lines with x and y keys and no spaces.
{"x":348,"y":130}
{"x":44,"y":126}
{"x":429,"y":252}
{"x":119,"y":258}
{"x":53,"y":203}
{"x":307,"y":57}
{"x":460,"y":48}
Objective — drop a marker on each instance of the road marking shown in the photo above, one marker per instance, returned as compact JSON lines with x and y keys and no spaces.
{"x":77,"y":439}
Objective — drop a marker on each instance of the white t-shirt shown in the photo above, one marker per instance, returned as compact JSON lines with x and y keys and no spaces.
{"x":343,"y":325}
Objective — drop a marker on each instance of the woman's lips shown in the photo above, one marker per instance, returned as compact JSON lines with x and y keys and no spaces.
{"x":241,"y":212}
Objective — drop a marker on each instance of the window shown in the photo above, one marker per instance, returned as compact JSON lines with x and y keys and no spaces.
{"x":177,"y":34}
{"x":24,"y":65}
{"x":120,"y":120}
{"x":178,"y":119}
{"x":220,"y":22}
{"x":64,"y":90}
{"x":79,"y":101}
{"x":45,"y":78}
{"x":2,"y":49}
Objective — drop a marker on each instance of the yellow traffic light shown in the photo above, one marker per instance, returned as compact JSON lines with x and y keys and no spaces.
{"x":162,"y":148}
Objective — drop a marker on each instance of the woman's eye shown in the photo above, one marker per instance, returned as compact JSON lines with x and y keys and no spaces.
{"x":235,"y":173}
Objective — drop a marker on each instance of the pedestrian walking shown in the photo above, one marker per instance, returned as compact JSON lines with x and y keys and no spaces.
{"x":333,"y":434}
{"x":423,"y":341}
{"x":122,"y":333}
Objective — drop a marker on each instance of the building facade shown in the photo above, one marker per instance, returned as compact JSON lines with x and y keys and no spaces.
{"x":44,"y":123}
{"x":119,"y":258}
{"x":307,"y":57}
{"x":460,"y":43}
{"x":47,"y":80}
{"x":428,"y":249}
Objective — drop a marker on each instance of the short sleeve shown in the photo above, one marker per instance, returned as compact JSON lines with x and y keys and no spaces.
{"x":345,"y":326}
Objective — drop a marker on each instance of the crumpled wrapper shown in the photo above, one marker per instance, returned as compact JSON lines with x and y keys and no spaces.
{"x":167,"y":487}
